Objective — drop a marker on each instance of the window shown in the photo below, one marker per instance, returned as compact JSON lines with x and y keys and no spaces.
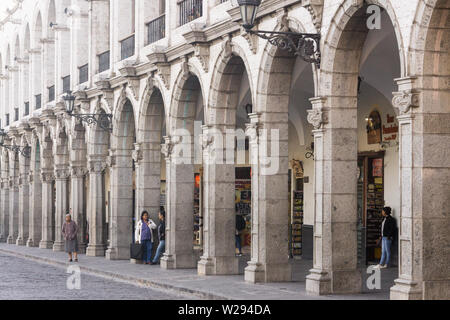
{"x":103,"y":61}
{"x":127,"y":47}
{"x":38,"y":101}
{"x":27,"y":109}
{"x":7,"y":119}
{"x":16,"y":114}
{"x":51,"y":93}
{"x":84,"y":73}
{"x":190,"y":10}
{"x":156,"y":29}
{"x":66,"y":84}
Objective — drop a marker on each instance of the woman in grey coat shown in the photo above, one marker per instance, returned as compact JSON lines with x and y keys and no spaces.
{"x":70,"y":231}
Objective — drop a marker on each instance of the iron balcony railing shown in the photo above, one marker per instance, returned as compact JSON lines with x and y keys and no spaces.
{"x":16,"y":114}
{"x":27,"y":109}
{"x":127,"y":47}
{"x":156,"y":29}
{"x":190,"y":10}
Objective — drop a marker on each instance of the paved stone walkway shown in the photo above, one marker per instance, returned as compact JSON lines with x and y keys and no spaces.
{"x":187,"y":282}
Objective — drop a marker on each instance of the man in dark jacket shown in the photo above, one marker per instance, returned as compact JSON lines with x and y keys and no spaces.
{"x":388,"y":230}
{"x":162,"y":237}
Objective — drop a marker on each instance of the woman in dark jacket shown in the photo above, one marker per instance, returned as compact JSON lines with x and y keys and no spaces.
{"x":162,"y":237}
{"x":388,"y":230}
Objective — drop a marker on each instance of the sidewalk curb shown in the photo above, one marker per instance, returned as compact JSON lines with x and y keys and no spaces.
{"x":120,"y":277}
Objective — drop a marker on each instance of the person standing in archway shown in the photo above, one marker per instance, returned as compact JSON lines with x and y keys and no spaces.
{"x":144,"y":235}
{"x":388,"y":229}
{"x":162,"y":237}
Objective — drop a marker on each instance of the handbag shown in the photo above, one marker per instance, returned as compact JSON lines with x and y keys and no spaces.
{"x":136,"y":251}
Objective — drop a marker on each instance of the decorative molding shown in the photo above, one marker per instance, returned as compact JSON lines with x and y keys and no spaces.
{"x":137,"y":153}
{"x":47,"y":177}
{"x":133,"y":81}
{"x":197,"y":38}
{"x":251,"y":39}
{"x":317,"y":117}
{"x":227,"y":47}
{"x":405,"y":101}
{"x":159,"y":59}
{"x":315,"y":9}
{"x":78,"y":172}
{"x":62,"y":174}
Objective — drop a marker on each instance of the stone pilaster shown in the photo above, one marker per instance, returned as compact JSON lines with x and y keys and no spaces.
{"x":62,"y":205}
{"x":48,"y":224}
{"x":77,"y":204}
{"x":4,"y":202}
{"x":219,"y":225}
{"x":13,"y":210}
{"x":424,"y":184}
{"x":122,"y":205}
{"x":269,"y":232}
{"x":23,"y":210}
{"x":96,"y":214}
{"x":180,"y":203}
{"x":335,"y":163}
{"x":35,"y":203}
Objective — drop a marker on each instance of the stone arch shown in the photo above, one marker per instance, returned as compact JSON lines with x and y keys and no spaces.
{"x":188,"y":88}
{"x":231,"y":55}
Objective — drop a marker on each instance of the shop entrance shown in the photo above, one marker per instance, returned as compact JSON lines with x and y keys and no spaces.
{"x":370,"y":205}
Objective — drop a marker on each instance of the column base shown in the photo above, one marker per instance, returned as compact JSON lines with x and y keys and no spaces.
{"x":320,"y":282}
{"x":406,"y":290}
{"x":82,"y":247}
{"x":96,"y":250}
{"x":46,"y":244}
{"x":58,"y":246}
{"x":32,"y":244}
{"x":10,"y":240}
{"x":21,"y":241}
{"x":262,"y":273}
{"x":218,"y":266}
{"x":185,"y":261}
{"x":134,"y":261}
{"x":118,"y":254}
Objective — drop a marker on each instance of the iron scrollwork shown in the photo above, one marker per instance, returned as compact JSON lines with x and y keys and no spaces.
{"x":103,"y":120}
{"x":304,"y":45}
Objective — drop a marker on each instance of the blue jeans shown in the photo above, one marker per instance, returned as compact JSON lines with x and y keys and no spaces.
{"x":148,"y":246}
{"x":385,"y":251}
{"x":238,"y":243}
{"x":160,"y":250}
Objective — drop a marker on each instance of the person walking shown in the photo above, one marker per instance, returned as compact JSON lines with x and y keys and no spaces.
{"x":143,"y":234}
{"x":161,"y":236}
{"x":388,"y":229}
{"x":240,"y":226}
{"x":70,"y":232}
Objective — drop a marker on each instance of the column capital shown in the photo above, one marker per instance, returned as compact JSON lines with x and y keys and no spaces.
{"x":78,"y":171}
{"x":137,"y":154}
{"x":95,"y":166}
{"x":251,"y":129}
{"x":405,"y":101}
{"x":317,"y":116}
{"x":62,"y":173}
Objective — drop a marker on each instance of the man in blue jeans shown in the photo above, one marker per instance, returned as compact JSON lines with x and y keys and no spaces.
{"x":162,"y":237}
{"x":388,"y":229}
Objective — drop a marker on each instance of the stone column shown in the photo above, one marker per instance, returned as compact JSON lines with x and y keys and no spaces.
{"x":5,"y":209}
{"x":122,"y":232}
{"x":335,"y":233}
{"x":35,"y":231}
{"x":24,"y":211}
{"x":219,"y":225}
{"x":48,"y":223}
{"x":180,"y":205}
{"x":147,"y":157}
{"x":270,"y":234}
{"x":424,"y":251}
{"x":13,"y":203}
{"x":62,"y":206}
{"x":77,"y":204}
{"x":97,"y":214}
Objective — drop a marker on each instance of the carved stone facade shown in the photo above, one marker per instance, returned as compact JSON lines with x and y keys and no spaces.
{"x":155,"y":92}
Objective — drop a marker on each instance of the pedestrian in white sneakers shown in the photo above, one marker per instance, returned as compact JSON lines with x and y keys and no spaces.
{"x":388,"y":229}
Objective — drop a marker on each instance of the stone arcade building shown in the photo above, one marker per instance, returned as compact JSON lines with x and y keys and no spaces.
{"x":158,"y":66}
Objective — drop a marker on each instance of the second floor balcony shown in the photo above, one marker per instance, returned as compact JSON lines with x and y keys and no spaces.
{"x":189,"y":10}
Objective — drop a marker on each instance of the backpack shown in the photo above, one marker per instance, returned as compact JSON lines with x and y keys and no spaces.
{"x":240,"y":223}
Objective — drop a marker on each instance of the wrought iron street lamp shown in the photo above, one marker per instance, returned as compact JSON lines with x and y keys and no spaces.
{"x":103,"y":120}
{"x":304,"y":45}
{"x":25,"y":151}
